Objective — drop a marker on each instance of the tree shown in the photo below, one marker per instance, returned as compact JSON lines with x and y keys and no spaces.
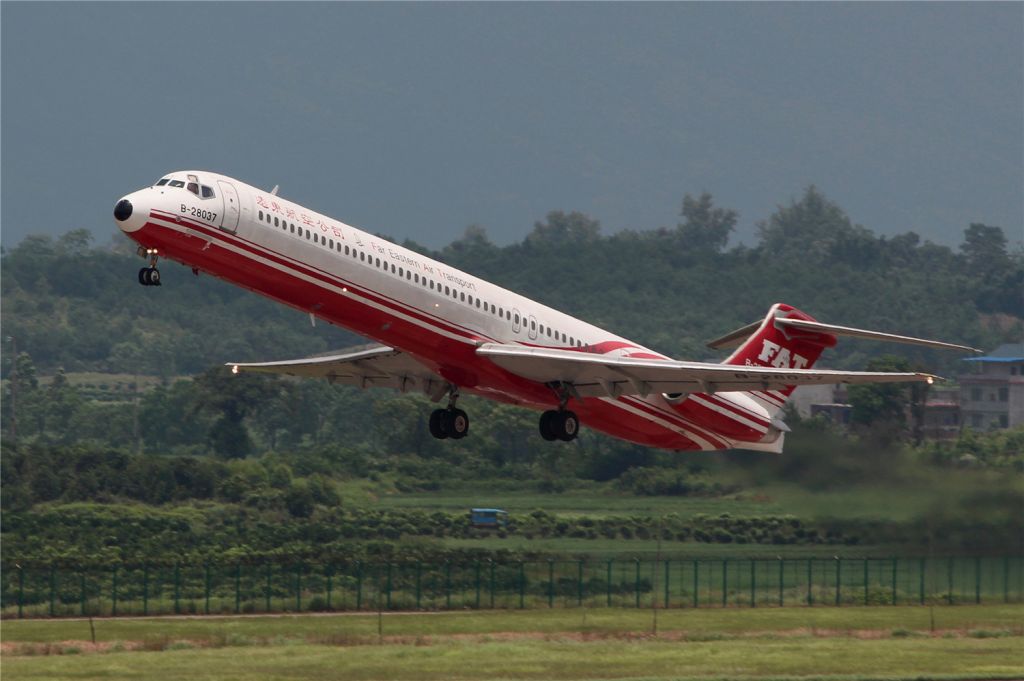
{"x":805,"y":229}
{"x":561,"y":228}
{"x":705,"y":228}
{"x":880,"y":409}
{"x":234,"y":396}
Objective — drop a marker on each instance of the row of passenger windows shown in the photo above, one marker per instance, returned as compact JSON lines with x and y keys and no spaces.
{"x":415,"y":277}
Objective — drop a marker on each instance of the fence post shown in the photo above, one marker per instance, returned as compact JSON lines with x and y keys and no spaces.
{"x":476,"y":570}
{"x":1006,"y":579}
{"x":298,"y":587}
{"x":359,"y":586}
{"x":81,"y":578}
{"x":696,"y":584}
{"x":753,"y":583}
{"x":608,"y":583}
{"x":522,"y":585}
{"x":895,"y":562}
{"x":447,"y":585}
{"x":667,"y":574}
{"x":206,"y":589}
{"x":145,"y":589}
{"x":636,"y":583}
{"x":725,"y":582}
{"x":238,"y":588}
{"x":419,"y":589}
{"x":492,"y":582}
{"x":810,"y":581}
{"x":53,"y":590}
{"x":551,"y":583}
{"x":866,"y":581}
{"x":113,"y":592}
{"x":782,"y":580}
{"x":579,"y":584}
{"x":329,"y":578}
{"x":977,"y":580}
{"x":839,"y":571}
{"x":270,"y":569}
{"x":177,"y":589}
{"x":949,"y":568}
{"x":920,"y":584}
{"x":21,"y":591}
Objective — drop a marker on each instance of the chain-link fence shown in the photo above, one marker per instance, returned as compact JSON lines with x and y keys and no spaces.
{"x":59,"y":591}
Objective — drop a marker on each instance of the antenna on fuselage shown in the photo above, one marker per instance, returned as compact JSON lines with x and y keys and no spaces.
{"x":273,"y":192}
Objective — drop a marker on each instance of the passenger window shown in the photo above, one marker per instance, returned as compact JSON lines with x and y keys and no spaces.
{"x":261,"y":216}
{"x":542,"y":329}
{"x":275,"y":221}
{"x":401,"y":272}
{"x":408,"y":274}
{"x":470,"y":299}
{"x":207,"y":192}
{"x":330,"y":243}
{"x":307,"y":233}
{"x":447,"y":291}
{"x":462,"y":296}
{"x":292,"y":229}
{"x":393,"y":268}
{"x":416,"y":278}
{"x":362,"y":256}
{"x":193,"y":187}
{"x":176,"y":183}
{"x":339,"y":247}
{"x":162,"y":182}
{"x":533,"y":324}
{"x":478,"y":303}
{"x":346,"y":250}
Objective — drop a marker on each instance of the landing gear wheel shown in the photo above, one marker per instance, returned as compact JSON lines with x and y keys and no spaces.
{"x":438,"y":423}
{"x":547,"y":426}
{"x":149,"y":276}
{"x":458,"y":424}
{"x":451,"y":422}
{"x":559,"y":425}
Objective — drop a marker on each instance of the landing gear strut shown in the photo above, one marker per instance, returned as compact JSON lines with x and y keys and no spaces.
{"x":451,"y":422}
{"x":149,"y":276}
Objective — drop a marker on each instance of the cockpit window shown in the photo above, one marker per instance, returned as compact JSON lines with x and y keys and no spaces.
{"x":208,"y":192}
{"x":175,"y":183}
{"x":162,"y":182}
{"x":193,"y":187}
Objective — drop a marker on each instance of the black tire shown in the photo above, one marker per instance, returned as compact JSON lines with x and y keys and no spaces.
{"x":154,"y":276}
{"x":458,"y":424}
{"x":143,"y":278}
{"x":438,"y":423}
{"x":568,"y":426}
{"x":547,"y":426}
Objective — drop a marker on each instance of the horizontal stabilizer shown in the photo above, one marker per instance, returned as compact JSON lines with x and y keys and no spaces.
{"x":872,"y":335}
{"x":736,"y":338}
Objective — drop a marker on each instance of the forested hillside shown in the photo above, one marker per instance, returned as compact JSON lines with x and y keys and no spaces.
{"x":126,"y":421}
{"x":78,"y":307}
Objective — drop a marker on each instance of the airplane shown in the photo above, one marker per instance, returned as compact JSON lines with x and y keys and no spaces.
{"x":447,"y":333}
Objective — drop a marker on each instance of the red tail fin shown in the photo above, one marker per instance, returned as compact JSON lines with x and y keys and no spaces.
{"x":787,"y":348}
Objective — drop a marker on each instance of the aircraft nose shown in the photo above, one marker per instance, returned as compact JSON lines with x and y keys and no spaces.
{"x":123,"y":210}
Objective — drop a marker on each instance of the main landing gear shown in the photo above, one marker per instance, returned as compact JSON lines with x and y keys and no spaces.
{"x":451,"y":422}
{"x":559,"y":425}
{"x":149,"y":276}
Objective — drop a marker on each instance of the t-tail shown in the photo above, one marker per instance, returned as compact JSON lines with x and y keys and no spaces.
{"x":788,"y":338}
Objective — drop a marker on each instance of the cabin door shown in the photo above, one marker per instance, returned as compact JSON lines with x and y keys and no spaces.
{"x":231,"y":207}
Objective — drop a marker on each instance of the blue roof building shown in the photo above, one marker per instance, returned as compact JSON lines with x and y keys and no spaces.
{"x":992,"y":394}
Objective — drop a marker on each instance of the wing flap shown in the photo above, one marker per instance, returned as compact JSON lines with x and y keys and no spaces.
{"x":600,"y":375}
{"x":376,"y":366}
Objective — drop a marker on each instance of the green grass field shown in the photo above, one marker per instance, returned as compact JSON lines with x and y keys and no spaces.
{"x":983,"y":642}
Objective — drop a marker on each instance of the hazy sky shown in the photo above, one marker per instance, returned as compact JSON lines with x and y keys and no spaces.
{"x":417,"y":120}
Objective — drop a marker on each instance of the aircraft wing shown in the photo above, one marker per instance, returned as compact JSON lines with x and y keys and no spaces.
{"x":592,"y":375}
{"x":367,"y":367}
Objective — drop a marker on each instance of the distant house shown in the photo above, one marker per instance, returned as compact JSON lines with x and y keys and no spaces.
{"x":992,"y":393}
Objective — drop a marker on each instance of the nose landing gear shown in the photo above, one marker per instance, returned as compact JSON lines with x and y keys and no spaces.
{"x":149,"y":276}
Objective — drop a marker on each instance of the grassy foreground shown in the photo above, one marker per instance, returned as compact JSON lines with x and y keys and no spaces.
{"x":972,"y":642}
{"x":554,"y":659}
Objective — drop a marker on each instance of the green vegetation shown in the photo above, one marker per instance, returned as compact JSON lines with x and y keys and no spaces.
{"x":867,"y":643}
{"x":171,"y":459}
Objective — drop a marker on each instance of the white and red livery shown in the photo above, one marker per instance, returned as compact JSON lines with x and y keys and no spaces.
{"x":446,"y":332}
